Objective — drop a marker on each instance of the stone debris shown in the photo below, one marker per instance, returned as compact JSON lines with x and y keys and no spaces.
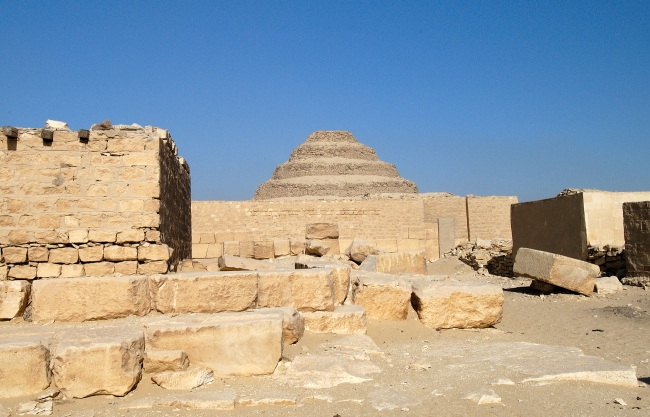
{"x":324,"y":371}
{"x":348,"y":319}
{"x":314,"y":247}
{"x":120,"y":350}
{"x":502,"y":381}
{"x":188,"y":379}
{"x":486,"y":256}
{"x":25,"y":365}
{"x":394,"y":263}
{"x":13,"y":298}
{"x":453,"y":304}
{"x":4,"y":412}
{"x":359,"y":250}
{"x":293,"y":323}
{"x":303,"y":289}
{"x":56,"y":125}
{"x":235,"y":263}
{"x":322,"y":231}
{"x":483,"y":396}
{"x":200,"y":400}
{"x":608,"y":285}
{"x":391,"y":399}
{"x":383,"y":296}
{"x":321,"y":397}
{"x":620,"y":401}
{"x":36,"y":408}
{"x":354,"y":343}
{"x":558,"y":270}
{"x":156,"y":361}
{"x":269,"y":399}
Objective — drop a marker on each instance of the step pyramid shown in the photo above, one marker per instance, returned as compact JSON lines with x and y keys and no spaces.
{"x":333,"y":164}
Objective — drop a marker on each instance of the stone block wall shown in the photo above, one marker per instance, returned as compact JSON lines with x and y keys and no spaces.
{"x":636,"y":217}
{"x":604,"y":215}
{"x":90,"y":204}
{"x":489,"y":217}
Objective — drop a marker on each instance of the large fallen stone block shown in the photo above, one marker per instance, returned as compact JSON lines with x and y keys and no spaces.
{"x":385,"y":297}
{"x":340,"y":274}
{"x":165,"y":360}
{"x":184,"y":380}
{"x":558,"y":270}
{"x":228,"y":343}
{"x":314,"y":247}
{"x":359,"y":250}
{"x":98,"y":361}
{"x":322,"y":231}
{"x":92,"y":298}
{"x":350,"y":319}
{"x":235,"y":263}
{"x":293,"y":324}
{"x":304,"y":290}
{"x":24,"y":366}
{"x":453,"y":304}
{"x":13,"y":298}
{"x":393,"y":263}
{"x":203,"y":292}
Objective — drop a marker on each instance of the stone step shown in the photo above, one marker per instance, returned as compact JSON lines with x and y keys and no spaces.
{"x":348,"y":319}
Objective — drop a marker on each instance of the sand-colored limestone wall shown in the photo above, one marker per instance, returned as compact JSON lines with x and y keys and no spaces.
{"x":87,"y":206}
{"x":447,"y":206}
{"x":489,"y":216}
{"x":604,"y":215}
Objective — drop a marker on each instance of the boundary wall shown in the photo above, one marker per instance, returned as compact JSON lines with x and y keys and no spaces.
{"x":92,"y":203}
{"x":408,"y":222}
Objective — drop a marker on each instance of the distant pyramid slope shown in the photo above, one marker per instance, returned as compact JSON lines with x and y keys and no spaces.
{"x":333,"y":164}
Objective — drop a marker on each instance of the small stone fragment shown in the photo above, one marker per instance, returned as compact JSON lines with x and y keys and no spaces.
{"x":156,"y":361}
{"x":235,"y":263}
{"x":200,"y":400}
{"x":608,"y":285}
{"x":359,"y":250}
{"x":484,"y":396}
{"x":184,"y":380}
{"x":349,"y":319}
{"x":316,"y":248}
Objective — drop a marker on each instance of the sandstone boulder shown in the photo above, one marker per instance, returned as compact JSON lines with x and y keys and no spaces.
{"x":184,"y":380}
{"x":349,"y":319}
{"x":98,"y":361}
{"x":235,"y":263}
{"x":203,"y":292}
{"x":359,"y":250}
{"x":304,"y":290}
{"x":293,"y":324}
{"x":608,"y":285}
{"x":91,"y":298}
{"x":383,"y":296}
{"x":322,"y":231}
{"x":453,"y":304}
{"x":13,"y":298}
{"x":228,"y":343}
{"x":314,"y":247}
{"x":24,"y":366}
{"x":156,"y":361}
{"x":398,"y":262}
{"x":558,"y":270}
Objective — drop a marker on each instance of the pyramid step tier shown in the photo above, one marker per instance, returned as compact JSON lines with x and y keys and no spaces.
{"x":334,"y":166}
{"x":313,"y":150}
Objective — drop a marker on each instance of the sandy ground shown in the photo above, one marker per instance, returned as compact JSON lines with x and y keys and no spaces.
{"x":426,"y":372}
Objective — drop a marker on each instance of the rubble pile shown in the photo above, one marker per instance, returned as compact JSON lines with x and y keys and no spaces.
{"x":486,"y":256}
{"x":610,"y":259}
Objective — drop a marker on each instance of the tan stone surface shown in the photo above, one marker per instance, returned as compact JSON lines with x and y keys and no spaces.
{"x":360,"y":249}
{"x":99,"y":269}
{"x":154,"y":253}
{"x":322,"y":231}
{"x":91,"y":254}
{"x":385,"y":297}
{"x":14,"y":296}
{"x":203,"y":292}
{"x":282,"y":248}
{"x":608,"y":285}
{"x":24,"y":366}
{"x":130,"y":236}
{"x":453,"y":304}
{"x":235,"y":263}
{"x":102,"y":236}
{"x":117,"y":253}
{"x":64,"y":256}
{"x":155,"y":267}
{"x":38,"y":254}
{"x":227,"y":343}
{"x":187,"y":379}
{"x":304,"y":290}
{"x":126,"y":268}
{"x":75,"y":360}
{"x":201,"y":400}
{"x":47,"y":270}
{"x":165,"y":360}
{"x":293,"y":323}
{"x":231,"y":248}
{"x":558,"y":270}
{"x":246,"y":248}
{"x":15,"y":255}
{"x":314,"y":247}
{"x":78,"y":236}
{"x":263,"y":250}
{"x":394,"y":263}
{"x":298,"y":246}
{"x":22,"y":272}
{"x":90,"y":298}
{"x":72,"y":271}
{"x":341,"y":274}
{"x":348,"y":319}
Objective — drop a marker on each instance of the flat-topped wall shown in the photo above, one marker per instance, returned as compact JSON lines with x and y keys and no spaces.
{"x":604,"y":215}
{"x":90,"y":205}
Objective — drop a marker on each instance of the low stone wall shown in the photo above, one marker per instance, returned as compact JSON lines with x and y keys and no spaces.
{"x":91,"y":202}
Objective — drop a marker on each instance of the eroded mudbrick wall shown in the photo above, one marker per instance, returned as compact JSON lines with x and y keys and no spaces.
{"x":392,"y":224}
{"x":91,"y":205}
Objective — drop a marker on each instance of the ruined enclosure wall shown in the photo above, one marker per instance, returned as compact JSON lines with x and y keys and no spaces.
{"x":75,"y":207}
{"x":636,"y":217}
{"x":554,"y":225}
{"x":452,"y":206}
{"x":489,"y":217}
{"x":604,"y":215}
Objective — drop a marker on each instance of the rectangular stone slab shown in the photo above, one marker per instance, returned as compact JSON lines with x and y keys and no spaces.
{"x":341,"y":275}
{"x":203,"y":292}
{"x":383,"y":296}
{"x":394,"y":263}
{"x":229,"y":343}
{"x":24,"y":365}
{"x":303,"y":289}
{"x":562,"y":271}
{"x":90,"y":298}
{"x":350,"y":319}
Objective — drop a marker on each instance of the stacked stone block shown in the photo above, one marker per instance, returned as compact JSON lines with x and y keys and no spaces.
{"x":96,"y":203}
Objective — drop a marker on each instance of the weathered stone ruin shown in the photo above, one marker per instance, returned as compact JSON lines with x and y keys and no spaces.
{"x":636,"y":219}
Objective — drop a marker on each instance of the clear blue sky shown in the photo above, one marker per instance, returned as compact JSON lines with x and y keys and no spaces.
{"x":485,"y":98}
